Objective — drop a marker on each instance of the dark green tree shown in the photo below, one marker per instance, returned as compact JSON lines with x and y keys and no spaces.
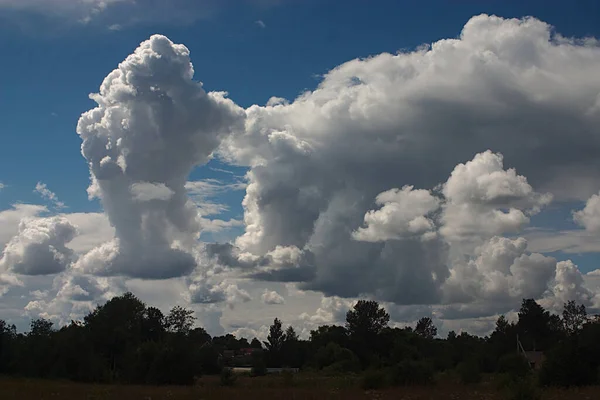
{"x":274,"y":343}
{"x":366,"y":320}
{"x":573,"y":317}
{"x":180,"y":320}
{"x":425,"y":328}
{"x":256,"y":344}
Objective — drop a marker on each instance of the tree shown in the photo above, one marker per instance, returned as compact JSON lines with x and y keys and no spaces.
{"x":366,"y":320}
{"x":41,"y":327}
{"x":256,"y":344}
{"x":537,"y":328}
{"x":153,"y":324}
{"x":274,"y":343}
{"x":502,"y":325}
{"x":290,"y":335}
{"x":425,"y":328}
{"x":8,"y":334}
{"x":364,"y":324}
{"x":573,"y":317}
{"x":115,"y":329}
{"x":326,"y":334}
{"x":276,"y":336}
{"x":180,"y":320}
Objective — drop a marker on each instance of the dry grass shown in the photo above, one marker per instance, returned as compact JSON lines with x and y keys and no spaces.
{"x":265,"y":388}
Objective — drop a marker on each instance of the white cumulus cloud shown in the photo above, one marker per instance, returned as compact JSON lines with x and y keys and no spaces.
{"x":152,"y":125}
{"x":40,"y":247}
{"x":272,"y":297}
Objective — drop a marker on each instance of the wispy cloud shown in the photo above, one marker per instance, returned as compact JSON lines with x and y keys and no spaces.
{"x":260,"y":24}
{"x":225,"y":171}
{"x":204,"y":192}
{"x":49,"y":195}
{"x":110,"y":14}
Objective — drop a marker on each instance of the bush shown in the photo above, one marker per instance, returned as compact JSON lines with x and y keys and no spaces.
{"x":409,"y":372}
{"x":514,"y":365}
{"x":227,"y":377}
{"x":566,"y":366}
{"x":522,"y":389}
{"x":259,"y":368}
{"x":469,"y":372}
{"x":373,"y":379}
{"x":288,"y":378}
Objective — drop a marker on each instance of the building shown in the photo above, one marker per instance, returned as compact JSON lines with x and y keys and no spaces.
{"x":535,"y":359}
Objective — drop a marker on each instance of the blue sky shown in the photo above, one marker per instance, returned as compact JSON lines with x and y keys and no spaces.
{"x":49,"y":72}
{"x":253,"y":50}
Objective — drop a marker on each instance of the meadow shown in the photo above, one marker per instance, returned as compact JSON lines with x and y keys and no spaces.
{"x":300,"y":387}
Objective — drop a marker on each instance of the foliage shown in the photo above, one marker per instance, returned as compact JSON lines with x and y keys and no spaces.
{"x":410,"y":372}
{"x":259,"y":367}
{"x":574,"y":317}
{"x":425,"y":328}
{"x":373,"y":379}
{"x":469,"y":372}
{"x":567,"y":365}
{"x":366,"y":320}
{"x":514,"y":365}
{"x":228,"y":378}
{"x":125,"y":341}
{"x":336,"y":359}
{"x":522,"y":389}
{"x":180,"y":320}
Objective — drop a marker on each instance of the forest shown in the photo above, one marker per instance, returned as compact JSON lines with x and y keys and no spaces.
{"x":127,"y":342}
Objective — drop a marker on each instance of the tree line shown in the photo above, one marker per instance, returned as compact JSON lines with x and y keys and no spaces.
{"x":126,"y":341}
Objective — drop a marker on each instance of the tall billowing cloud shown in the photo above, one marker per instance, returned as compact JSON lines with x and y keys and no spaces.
{"x":323,"y":167}
{"x":152,"y":126}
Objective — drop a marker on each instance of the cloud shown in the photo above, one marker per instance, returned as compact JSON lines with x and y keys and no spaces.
{"x":202,"y":291}
{"x":496,"y":100}
{"x":93,"y":229}
{"x":39,"y":248}
{"x":403,"y":214}
{"x":2,"y":186}
{"x":11,"y":218}
{"x":47,"y":194}
{"x":567,"y":241}
{"x":204,"y":192}
{"x":146,"y":191}
{"x":501,"y":271}
{"x":395,"y":179}
{"x":260,"y":24}
{"x":484,"y":199}
{"x":589,"y":217}
{"x":152,"y":125}
{"x":114,"y":14}
{"x":272,"y":297}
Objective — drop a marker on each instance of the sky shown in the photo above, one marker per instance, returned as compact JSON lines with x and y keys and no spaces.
{"x":253,"y":159}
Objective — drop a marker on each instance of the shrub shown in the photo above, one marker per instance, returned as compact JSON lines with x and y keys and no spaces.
{"x":514,"y":365}
{"x":522,"y":389}
{"x":469,"y":372}
{"x":227,"y":377}
{"x":373,"y":379}
{"x":259,"y":368}
{"x":410,"y":372}
{"x":566,"y":366}
{"x":288,"y":378}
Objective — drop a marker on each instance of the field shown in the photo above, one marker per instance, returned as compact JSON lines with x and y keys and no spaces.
{"x":269,"y":388}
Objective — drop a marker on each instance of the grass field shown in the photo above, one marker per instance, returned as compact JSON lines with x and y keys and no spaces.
{"x":268,"y":388}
